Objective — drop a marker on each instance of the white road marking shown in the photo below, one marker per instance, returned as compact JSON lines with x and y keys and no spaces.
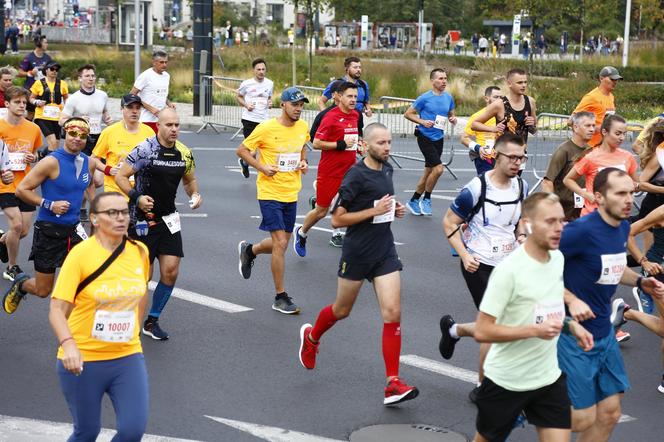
{"x":323,"y":229}
{"x":33,"y":430}
{"x":205,"y":301}
{"x":193,"y":215}
{"x":272,"y":434}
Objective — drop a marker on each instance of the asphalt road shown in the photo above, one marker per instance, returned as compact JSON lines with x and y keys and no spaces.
{"x":243,"y":366}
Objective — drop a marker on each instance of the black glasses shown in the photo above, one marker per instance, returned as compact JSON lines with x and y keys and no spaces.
{"x":114,"y":213}
{"x":54,"y":69}
{"x":514,"y":158}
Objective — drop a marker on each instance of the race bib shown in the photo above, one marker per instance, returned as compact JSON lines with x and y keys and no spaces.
{"x":548,"y":311}
{"x":260,"y":103}
{"x":3,"y":112}
{"x":501,"y":247}
{"x":578,"y":201}
{"x":288,"y":162}
{"x":51,"y":111}
{"x":440,"y":122}
{"x":490,"y":142}
{"x":172,"y":221}
{"x":385,"y":217}
{"x":80,"y":231}
{"x":113,"y":326}
{"x":95,"y":125}
{"x":17,"y":161}
{"x":351,"y":141}
{"x":613,"y":267}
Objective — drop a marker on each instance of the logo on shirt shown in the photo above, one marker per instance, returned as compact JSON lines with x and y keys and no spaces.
{"x":86,"y":177}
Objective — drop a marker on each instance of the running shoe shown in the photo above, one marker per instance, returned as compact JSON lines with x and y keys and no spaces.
{"x":447,"y":342}
{"x":312,"y":202}
{"x":618,"y":313}
{"x":308,"y":349}
{"x":299,"y":243}
{"x":244,"y":167}
{"x":643,"y":301}
{"x":11,"y":273}
{"x":4,"y":255}
{"x":284,"y":304}
{"x":396,"y":392}
{"x":244,"y":262}
{"x":151,"y":328}
{"x":414,"y":207}
{"x":425,"y":206}
{"x":622,"y":336}
{"x":337,"y":240}
{"x":13,"y":296}
{"x":83,"y":216}
{"x":660,"y":387}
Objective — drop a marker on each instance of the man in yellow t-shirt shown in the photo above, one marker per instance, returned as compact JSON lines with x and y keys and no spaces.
{"x":280,"y":142}
{"x":600,"y":101}
{"x":117,"y":140}
{"x":48,"y":96}
{"x":481,"y":150}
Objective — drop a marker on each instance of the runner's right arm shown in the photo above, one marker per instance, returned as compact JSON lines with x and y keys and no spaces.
{"x":48,"y":168}
{"x":570,"y":182}
{"x":494,"y":110}
{"x":487,"y":331}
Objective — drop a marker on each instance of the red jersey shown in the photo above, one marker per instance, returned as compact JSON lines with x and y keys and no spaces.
{"x":335,"y":125}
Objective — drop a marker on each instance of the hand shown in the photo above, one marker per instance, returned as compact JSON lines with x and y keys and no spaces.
{"x":34,"y":72}
{"x":584,"y":338}
{"x":580,"y":310}
{"x":589,"y":197}
{"x":72,"y":359}
{"x":60,"y":207}
{"x":549,"y":329}
{"x":195,"y":201}
{"x":470,"y":263}
{"x":115,"y":169}
{"x":428,"y":123}
{"x":269,"y":169}
{"x":107,"y":119}
{"x":653,"y":287}
{"x":400,"y":210}
{"x":145,"y":203}
{"x":452,"y":119}
{"x":651,"y":268}
{"x":7,"y":176}
{"x":486,"y":153}
{"x":40,"y":103}
{"x":29,"y":157}
{"x":530,"y":120}
{"x":384,"y":205}
{"x":250,"y":107}
{"x":499,"y":128}
{"x":303,"y":166}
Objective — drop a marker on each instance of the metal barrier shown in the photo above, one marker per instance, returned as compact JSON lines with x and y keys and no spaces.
{"x":77,"y":35}
{"x":224,"y":110}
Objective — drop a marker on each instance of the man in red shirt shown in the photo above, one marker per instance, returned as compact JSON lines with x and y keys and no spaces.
{"x":339,"y":140}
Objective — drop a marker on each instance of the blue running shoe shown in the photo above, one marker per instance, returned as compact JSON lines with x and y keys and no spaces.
{"x":425,"y":206}
{"x":414,"y":207}
{"x":643,"y":301}
{"x":299,"y":243}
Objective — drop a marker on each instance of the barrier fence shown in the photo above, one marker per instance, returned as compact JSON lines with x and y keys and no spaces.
{"x":77,"y":35}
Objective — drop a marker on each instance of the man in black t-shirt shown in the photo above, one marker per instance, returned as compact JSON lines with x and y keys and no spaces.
{"x":366,"y":205}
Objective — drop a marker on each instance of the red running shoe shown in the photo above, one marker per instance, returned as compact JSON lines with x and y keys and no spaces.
{"x":396,"y":392}
{"x":308,"y":349}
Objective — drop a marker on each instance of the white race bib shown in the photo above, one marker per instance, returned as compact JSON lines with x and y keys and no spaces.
{"x":80,"y":231}
{"x":113,"y":326}
{"x":549,"y":310}
{"x":352,"y":141}
{"x":260,"y":103}
{"x":51,"y":111}
{"x":288,"y":162}
{"x":3,"y":112}
{"x":490,"y":142}
{"x":172,"y":221}
{"x":95,"y":125}
{"x":385,"y":217}
{"x":501,"y":247}
{"x":613,"y":267}
{"x":440,"y":122}
{"x":17,"y":161}
{"x":578,"y":201}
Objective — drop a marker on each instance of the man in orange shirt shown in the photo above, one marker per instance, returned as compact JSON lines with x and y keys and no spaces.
{"x":22,"y":138}
{"x":600,"y":101}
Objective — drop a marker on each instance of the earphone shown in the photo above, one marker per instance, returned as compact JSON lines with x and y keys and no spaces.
{"x":529,"y":228}
{"x":94,"y":222}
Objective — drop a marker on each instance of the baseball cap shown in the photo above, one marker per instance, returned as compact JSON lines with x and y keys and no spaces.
{"x":53,"y":64}
{"x":293,"y":95}
{"x":611,"y":72}
{"x":129,"y":99}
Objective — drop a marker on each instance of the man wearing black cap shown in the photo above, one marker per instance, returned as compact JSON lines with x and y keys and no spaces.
{"x":600,"y":101}
{"x":49,"y":96}
{"x":281,"y":162}
{"x":118,"y":139}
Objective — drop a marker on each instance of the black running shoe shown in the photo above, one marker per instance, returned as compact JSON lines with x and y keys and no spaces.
{"x":447,"y":342}
{"x":244,"y":262}
{"x":11,"y":273}
{"x":244,"y":167}
{"x":4,"y":256}
{"x":151,"y":328}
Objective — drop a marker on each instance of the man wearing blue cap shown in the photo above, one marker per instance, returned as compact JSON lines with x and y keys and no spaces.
{"x":280,"y":166}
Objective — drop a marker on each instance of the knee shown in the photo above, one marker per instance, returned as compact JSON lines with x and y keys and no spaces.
{"x":582,"y":420}
{"x":392,"y":314}
{"x":438,"y":170}
{"x":609,"y":417}
{"x":86,"y":431}
{"x":16,"y":229}
{"x":341,"y":312}
{"x":280,"y":246}
{"x":131,"y":430}
{"x":169,"y":274}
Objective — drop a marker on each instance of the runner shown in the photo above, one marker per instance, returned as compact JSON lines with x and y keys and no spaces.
{"x":118,"y":139}
{"x":638,"y":143}
{"x":481,"y":151}
{"x":600,"y":101}
{"x":367,"y":206}
{"x":152,"y":86}
{"x":353,"y":67}
{"x":490,"y":205}
{"x":159,"y":164}
{"x":283,"y":158}
{"x":564,"y":158}
{"x":49,"y":95}
{"x":339,"y":140}
{"x":32,"y":68}
{"x":95,"y":324}
{"x":255,"y":97}
{"x":522,"y":315}
{"x":21,"y":138}
{"x":431,"y":111}
{"x":595,"y":263}
{"x":7,"y":74}
{"x":63,"y":176}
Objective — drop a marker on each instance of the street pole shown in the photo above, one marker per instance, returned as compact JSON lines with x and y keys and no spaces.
{"x":420,"y":25}
{"x":625,"y":53}
{"x":137,"y":38}
{"x":293,"y":58}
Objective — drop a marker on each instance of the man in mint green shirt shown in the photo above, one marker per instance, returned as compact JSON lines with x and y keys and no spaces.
{"x":522,"y":314}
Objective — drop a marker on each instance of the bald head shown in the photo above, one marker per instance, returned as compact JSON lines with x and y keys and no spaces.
{"x":169,"y":127}
{"x":167,"y":113}
{"x":374,"y":129}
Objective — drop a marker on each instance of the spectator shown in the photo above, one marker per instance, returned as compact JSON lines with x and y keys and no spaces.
{"x":245,"y":37}
{"x":11,"y":37}
{"x":526,"y":46}
{"x":541,"y":46}
{"x":483,"y":45}
{"x":474,"y":40}
{"x":228,"y":34}
{"x":291,"y":36}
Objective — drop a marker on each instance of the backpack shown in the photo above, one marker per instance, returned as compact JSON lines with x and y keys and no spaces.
{"x":482,"y":199}
{"x":365,"y":88}
{"x":51,"y":97}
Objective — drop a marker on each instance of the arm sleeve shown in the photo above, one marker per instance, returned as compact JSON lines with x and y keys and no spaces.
{"x":582,"y":166}
{"x":498,"y":292}
{"x":253,"y":142}
{"x":324,"y":129}
{"x":64,"y":89}
{"x":37,"y":88}
{"x":139,"y":157}
{"x":468,"y":130}
{"x":242,"y":90}
{"x":452,"y":103}
{"x":68,"y":109}
{"x":586,"y":104}
{"x":570,"y":243}
{"x":69,"y":277}
{"x":469,"y":196}
{"x":25,"y":64}
{"x":37,"y":142}
{"x":418,"y":104}
{"x":631,"y":165}
{"x":556,"y":165}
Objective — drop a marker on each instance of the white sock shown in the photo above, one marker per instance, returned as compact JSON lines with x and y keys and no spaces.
{"x":336,"y":232}
{"x":453,"y":332}
{"x":301,"y":233}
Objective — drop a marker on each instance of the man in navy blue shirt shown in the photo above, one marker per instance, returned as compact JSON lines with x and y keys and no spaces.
{"x":594,"y":247}
{"x":353,"y":67}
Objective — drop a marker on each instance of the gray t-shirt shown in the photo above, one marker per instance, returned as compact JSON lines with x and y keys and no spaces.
{"x":90,"y":107}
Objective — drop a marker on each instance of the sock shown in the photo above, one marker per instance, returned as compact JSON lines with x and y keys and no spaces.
{"x":453,"y":332}
{"x":324,"y":322}
{"x":427,"y":195}
{"x":416,"y":196}
{"x":250,"y":251}
{"x":281,"y":295}
{"x":336,"y":232}
{"x":160,"y":298}
{"x":391,"y":347}
{"x":302,"y":233}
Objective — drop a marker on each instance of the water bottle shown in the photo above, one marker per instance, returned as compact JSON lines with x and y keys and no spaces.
{"x":142,"y":228}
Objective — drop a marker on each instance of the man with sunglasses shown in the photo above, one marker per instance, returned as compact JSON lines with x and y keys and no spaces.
{"x":63,"y":176}
{"x":49,"y":96}
{"x":490,"y":208}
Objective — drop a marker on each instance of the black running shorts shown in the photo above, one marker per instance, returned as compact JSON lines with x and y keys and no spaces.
{"x":11,"y":200}
{"x":477,"y":281}
{"x":357,"y":271}
{"x":431,"y":150}
{"x":50,"y":245}
{"x":160,"y":241}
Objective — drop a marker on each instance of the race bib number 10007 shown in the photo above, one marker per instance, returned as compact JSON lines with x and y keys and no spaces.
{"x":113,"y":326}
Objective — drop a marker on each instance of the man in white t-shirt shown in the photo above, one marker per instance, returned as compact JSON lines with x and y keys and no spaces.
{"x":152,"y":86}
{"x":255,"y":97}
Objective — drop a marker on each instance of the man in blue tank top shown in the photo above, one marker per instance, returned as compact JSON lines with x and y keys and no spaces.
{"x":64,"y":175}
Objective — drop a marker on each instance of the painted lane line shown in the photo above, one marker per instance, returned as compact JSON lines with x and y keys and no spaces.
{"x":205,"y":301}
{"x":271,"y":434}
{"x":193,"y":215}
{"x":323,"y":229}
{"x":19,"y":428}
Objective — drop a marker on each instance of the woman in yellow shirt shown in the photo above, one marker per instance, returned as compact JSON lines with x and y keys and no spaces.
{"x":48,"y":96}
{"x":97,"y":324}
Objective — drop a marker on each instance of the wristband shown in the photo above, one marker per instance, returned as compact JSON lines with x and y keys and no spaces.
{"x":65,"y":340}
{"x":46,"y":204}
{"x":475,"y":146}
{"x":133,"y":196}
{"x":639,"y":282}
{"x":341,"y":145}
{"x":107,"y":170}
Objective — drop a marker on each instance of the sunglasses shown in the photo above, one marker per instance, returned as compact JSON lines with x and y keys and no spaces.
{"x":77,"y":134}
{"x":54,"y":69}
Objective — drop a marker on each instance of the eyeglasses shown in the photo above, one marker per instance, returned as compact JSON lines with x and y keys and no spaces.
{"x":514,"y":158}
{"x":114,"y":213}
{"x":54,"y":69}
{"x":77,"y":134}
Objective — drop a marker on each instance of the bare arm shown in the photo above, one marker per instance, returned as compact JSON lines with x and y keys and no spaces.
{"x":58,"y":313}
{"x":547,"y":185}
{"x":412,"y":115}
{"x":637,"y":146}
{"x":647,"y":174}
{"x":153,"y":110}
{"x":487,"y":331}
{"x":570,"y":182}
{"x":342,"y":218}
{"x":43,"y":170}
{"x":122,"y":177}
{"x":495,"y":109}
{"x":322,"y":100}
{"x":324,"y":145}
